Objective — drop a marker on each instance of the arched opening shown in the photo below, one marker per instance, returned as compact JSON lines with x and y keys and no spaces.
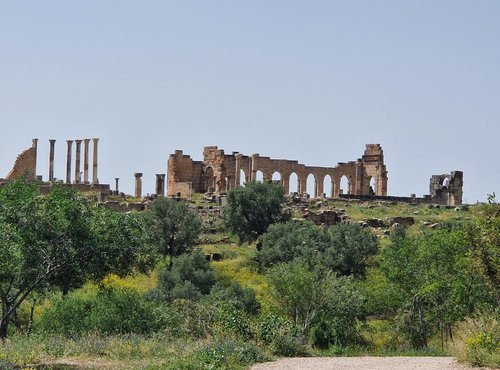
{"x":328,"y":186}
{"x":373,"y":186}
{"x":243,"y":178}
{"x":311,"y":185}
{"x":209,"y":180}
{"x":344,"y":185}
{"x":294,"y":183}
{"x":276,"y":177}
{"x":259,"y":176}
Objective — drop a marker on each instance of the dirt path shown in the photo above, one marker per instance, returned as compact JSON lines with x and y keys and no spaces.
{"x":364,"y":363}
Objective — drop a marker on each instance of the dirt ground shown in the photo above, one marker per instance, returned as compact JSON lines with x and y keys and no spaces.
{"x":364,"y":363}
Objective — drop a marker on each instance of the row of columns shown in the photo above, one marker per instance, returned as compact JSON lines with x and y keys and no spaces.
{"x":159,"y":188}
{"x":77,"y":178}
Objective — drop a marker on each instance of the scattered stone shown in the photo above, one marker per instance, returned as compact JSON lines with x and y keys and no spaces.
{"x":375,"y":222}
{"x":405,"y":221}
{"x":325,"y":217}
{"x":434,"y":226}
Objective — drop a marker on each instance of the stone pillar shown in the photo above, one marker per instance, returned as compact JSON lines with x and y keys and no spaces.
{"x":68,"y":162}
{"x":95,"y":180}
{"x":253,"y":169}
{"x":86,"y":161}
{"x":302,"y":188}
{"x":116,"y":184}
{"x":320,"y":187}
{"x":237,"y":171}
{"x":286,"y":184}
{"x":138,"y":184}
{"x":51,"y":159}
{"x":160,"y":184}
{"x":35,"y":146}
{"x":77,"y":161}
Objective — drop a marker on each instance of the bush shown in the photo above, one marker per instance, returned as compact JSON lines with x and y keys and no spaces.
{"x":190,"y":277}
{"x":109,"y":311}
{"x":479,"y":341}
{"x":221,"y":355}
{"x":238,"y":297}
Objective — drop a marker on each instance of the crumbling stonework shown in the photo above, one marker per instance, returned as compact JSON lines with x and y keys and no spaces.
{"x":220,"y":172}
{"x":447,"y":188}
{"x":25,"y":164}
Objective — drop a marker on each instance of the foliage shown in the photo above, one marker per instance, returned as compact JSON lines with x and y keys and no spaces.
{"x":238,"y":297}
{"x":108,"y":311}
{"x":60,"y":240}
{"x":172,"y":226}
{"x":190,"y":277}
{"x":342,"y":248}
{"x":252,"y":208}
{"x":437,"y":280}
{"x":484,"y":236}
{"x":309,"y":298}
{"x":478,"y":340}
{"x":224,"y":355}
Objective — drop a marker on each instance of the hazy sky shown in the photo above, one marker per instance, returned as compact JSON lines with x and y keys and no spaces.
{"x":307,"y":80}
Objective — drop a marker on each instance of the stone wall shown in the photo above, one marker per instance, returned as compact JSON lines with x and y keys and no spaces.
{"x":220,"y":172}
{"x":25,"y":164}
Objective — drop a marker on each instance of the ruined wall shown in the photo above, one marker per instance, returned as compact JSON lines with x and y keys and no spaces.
{"x":220,"y":172}
{"x":25,"y":163}
{"x":447,"y":188}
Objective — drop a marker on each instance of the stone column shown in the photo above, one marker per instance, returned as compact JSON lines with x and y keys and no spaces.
{"x":51,"y":159}
{"x":237,"y":171}
{"x":116,"y":184}
{"x":253,"y":169}
{"x":77,"y":161}
{"x":285,"y":180}
{"x":160,"y":184}
{"x":95,"y":180}
{"x":68,"y":162}
{"x":86,"y":161}
{"x":138,"y":184}
{"x":320,"y":187}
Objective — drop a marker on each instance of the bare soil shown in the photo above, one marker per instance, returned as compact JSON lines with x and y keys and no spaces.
{"x":364,"y":363}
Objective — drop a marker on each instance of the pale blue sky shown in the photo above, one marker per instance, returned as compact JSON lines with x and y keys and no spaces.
{"x":308,"y":80}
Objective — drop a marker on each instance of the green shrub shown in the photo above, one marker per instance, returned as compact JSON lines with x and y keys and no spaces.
{"x":109,"y":311}
{"x":479,"y":340}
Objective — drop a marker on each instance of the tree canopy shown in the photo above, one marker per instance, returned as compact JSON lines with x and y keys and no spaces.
{"x":343,"y":248}
{"x":60,"y":240}
{"x":172,"y":226}
{"x":252,"y":208}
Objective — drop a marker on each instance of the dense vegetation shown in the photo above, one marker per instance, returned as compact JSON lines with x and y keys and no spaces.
{"x":136,"y":291}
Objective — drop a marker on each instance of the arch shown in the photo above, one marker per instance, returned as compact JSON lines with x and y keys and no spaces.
{"x":294,"y":183}
{"x":344,"y":185}
{"x":259,"y":176}
{"x":311,"y":185}
{"x":243,"y":178}
{"x":372,"y":186}
{"x":210,"y":180}
{"x":276,"y":177}
{"x":328,"y":186}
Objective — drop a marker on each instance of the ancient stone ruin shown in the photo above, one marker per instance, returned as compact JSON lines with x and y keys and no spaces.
{"x":25,"y":164}
{"x":220,"y":172}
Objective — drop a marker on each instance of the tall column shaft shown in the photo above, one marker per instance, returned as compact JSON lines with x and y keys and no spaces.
{"x":77,"y":161}
{"x":237,"y":172}
{"x":86,"y":160}
{"x":138,"y":185}
{"x":68,"y":162}
{"x":116,"y":184}
{"x":95,"y":179}
{"x":160,"y":184}
{"x":51,"y":159}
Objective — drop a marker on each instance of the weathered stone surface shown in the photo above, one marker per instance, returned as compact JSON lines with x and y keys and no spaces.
{"x":324,"y":217}
{"x":375,"y":222}
{"x":405,"y":221}
{"x":220,"y":172}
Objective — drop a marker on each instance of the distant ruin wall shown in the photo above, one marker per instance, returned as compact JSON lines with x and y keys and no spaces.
{"x":25,"y":164}
{"x":220,"y":172}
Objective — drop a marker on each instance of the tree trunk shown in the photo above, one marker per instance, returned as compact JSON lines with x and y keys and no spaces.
{"x":4,"y":324}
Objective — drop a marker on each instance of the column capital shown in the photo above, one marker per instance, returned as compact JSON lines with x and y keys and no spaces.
{"x":138,"y":174}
